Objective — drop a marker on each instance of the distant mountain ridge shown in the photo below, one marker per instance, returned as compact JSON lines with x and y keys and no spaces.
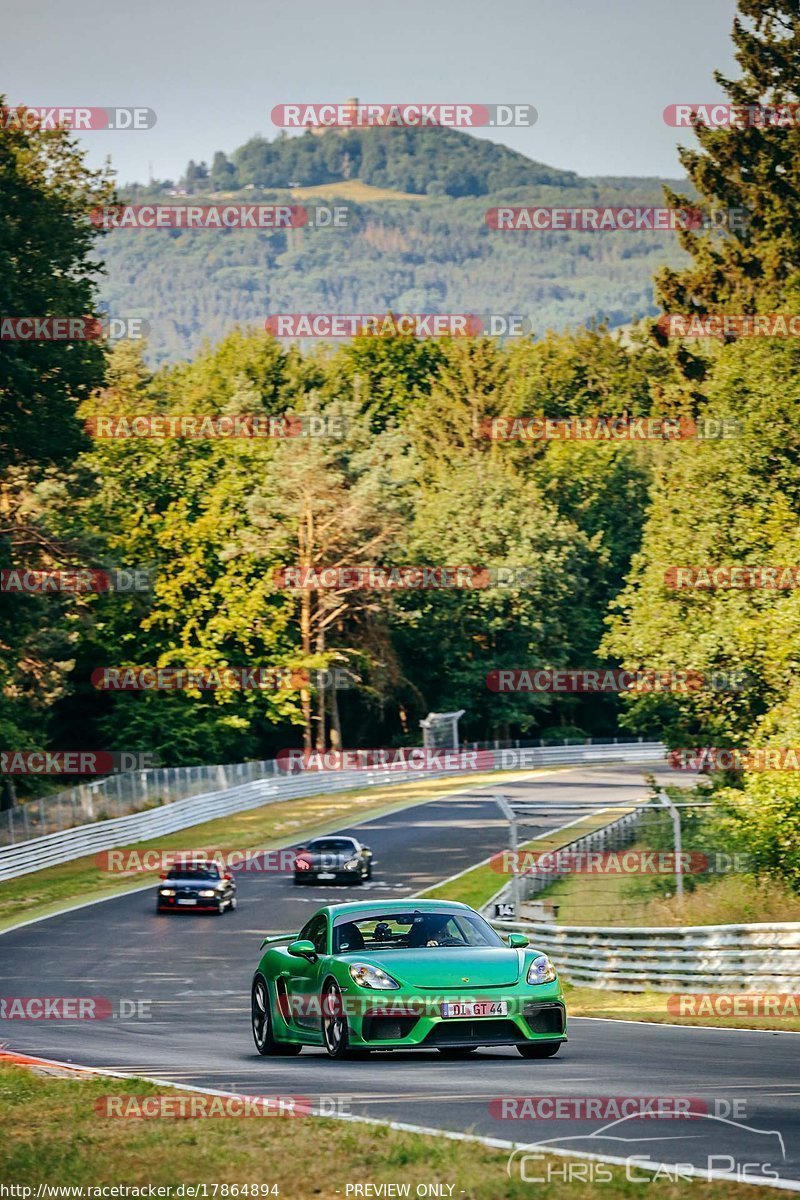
{"x":416,"y":241}
{"x":431,"y":161}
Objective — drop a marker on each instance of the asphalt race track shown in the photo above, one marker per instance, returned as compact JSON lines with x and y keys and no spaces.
{"x":195,"y":972}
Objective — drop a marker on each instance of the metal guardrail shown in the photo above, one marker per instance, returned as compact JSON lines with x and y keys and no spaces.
{"x":751,"y":958}
{"x":120,"y":794}
{"x":659,"y":958}
{"x":132,"y":791}
{"x":66,"y":845}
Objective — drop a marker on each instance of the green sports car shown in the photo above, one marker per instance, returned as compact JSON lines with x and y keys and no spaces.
{"x":404,"y":974}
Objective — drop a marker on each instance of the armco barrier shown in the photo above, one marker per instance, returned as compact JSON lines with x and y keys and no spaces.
{"x":127,"y":792}
{"x":725,"y":958}
{"x":722,"y":958}
{"x":35,"y":853}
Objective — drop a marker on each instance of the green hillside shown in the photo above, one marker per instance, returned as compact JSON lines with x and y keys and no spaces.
{"x":434,"y":253}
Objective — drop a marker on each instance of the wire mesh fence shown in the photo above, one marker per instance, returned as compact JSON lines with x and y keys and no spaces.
{"x":121,"y":794}
{"x":136,"y":791}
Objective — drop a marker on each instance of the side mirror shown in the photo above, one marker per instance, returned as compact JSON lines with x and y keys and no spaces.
{"x":302,"y":949}
{"x":163,"y":874}
{"x":517,"y":940}
{"x":367,"y":850}
{"x":228,"y":878}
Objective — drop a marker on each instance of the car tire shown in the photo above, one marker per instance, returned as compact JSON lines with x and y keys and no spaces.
{"x":299,"y":881}
{"x":456,"y":1051}
{"x":538,"y":1049}
{"x":234,"y":903}
{"x":261,"y":1022}
{"x":221,"y":908}
{"x":369,"y":870}
{"x":335,"y":1030}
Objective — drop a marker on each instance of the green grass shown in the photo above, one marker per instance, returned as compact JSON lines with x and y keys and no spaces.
{"x":624,"y":900}
{"x":652,"y":1006}
{"x":268,"y":827}
{"x":53,"y":1135}
{"x":477,"y":885}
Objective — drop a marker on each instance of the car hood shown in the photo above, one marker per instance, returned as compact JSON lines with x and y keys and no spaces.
{"x":450,"y":967}
{"x":190,"y":885}
{"x":328,"y":859}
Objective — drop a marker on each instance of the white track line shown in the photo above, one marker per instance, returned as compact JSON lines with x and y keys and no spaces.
{"x":789,"y":1185}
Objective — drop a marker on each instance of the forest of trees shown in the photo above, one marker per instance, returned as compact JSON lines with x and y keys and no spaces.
{"x":431,"y":254}
{"x":412,"y":480}
{"x":435,"y":254}
{"x":432,"y":161}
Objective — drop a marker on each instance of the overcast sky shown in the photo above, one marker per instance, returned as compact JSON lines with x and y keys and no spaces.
{"x":599,"y":72}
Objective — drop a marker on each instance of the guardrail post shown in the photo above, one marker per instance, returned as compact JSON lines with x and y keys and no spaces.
{"x":676,"y":835}
{"x":511,"y":817}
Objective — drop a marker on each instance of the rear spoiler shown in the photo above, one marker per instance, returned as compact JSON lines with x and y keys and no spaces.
{"x":277,"y":937}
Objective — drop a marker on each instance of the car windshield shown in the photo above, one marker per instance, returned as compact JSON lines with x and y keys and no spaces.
{"x":194,"y":873}
{"x":411,"y":931}
{"x":328,"y":844}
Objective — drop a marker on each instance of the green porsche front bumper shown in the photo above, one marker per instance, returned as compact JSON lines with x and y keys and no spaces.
{"x":390,"y":1020}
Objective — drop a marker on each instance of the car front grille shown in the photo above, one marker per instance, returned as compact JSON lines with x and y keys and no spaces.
{"x":478,"y":1033}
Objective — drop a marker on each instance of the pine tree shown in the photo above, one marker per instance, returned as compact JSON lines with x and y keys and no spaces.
{"x":755,"y":167}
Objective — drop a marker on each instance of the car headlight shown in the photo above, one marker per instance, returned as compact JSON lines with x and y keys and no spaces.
{"x":166,"y":891}
{"x":368,"y":976}
{"x":541,"y":970}
{"x":352,"y":864}
{"x":207,"y":892}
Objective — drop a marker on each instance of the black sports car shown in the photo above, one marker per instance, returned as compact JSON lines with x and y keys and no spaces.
{"x":338,"y":859}
{"x":201,"y":887}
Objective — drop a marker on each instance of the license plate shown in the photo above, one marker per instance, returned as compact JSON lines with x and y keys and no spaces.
{"x":187,"y":902}
{"x":475,"y":1008}
{"x":326,"y":875}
